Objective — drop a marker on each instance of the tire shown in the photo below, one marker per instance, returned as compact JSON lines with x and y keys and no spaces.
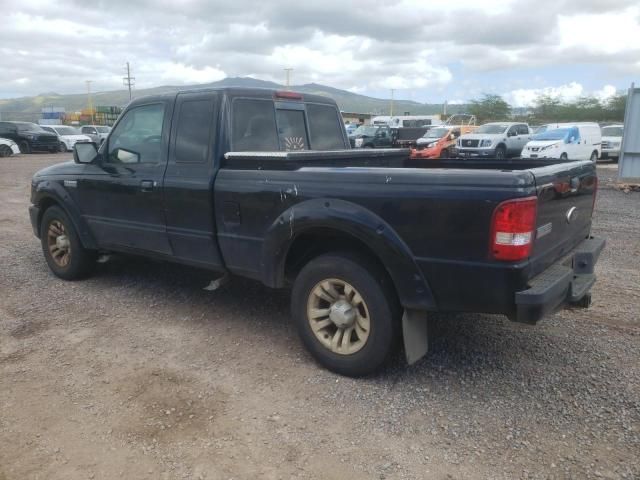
{"x":5,"y":151}
{"x":444,"y":153}
{"x":564,"y":156}
{"x":54,"y":150}
{"x":62,"y":147}
{"x":24,"y":147}
{"x":594,"y":156}
{"x":501,"y":152}
{"x":373,"y":323}
{"x":77,"y":262}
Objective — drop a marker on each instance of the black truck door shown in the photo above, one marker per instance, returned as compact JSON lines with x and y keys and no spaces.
{"x":121,"y":195}
{"x":188,"y":182}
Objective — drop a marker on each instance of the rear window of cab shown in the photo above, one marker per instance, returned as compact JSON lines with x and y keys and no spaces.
{"x":259,"y":126}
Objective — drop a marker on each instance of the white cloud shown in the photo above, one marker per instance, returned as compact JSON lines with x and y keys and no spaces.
{"x":605,"y":93}
{"x":524,"y":97}
{"x":178,"y":73}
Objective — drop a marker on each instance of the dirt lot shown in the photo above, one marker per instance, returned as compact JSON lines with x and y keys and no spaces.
{"x":140,"y":373}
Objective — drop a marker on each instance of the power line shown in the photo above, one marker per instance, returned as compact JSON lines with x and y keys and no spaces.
{"x":129,"y":81}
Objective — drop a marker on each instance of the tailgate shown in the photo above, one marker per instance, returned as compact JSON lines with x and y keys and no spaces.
{"x":566,"y":193}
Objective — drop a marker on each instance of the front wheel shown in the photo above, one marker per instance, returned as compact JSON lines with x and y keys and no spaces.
{"x":61,"y":246}
{"x":594,"y":156}
{"x":444,"y":153}
{"x":564,"y":156}
{"x":501,"y":153}
{"x":346,"y":312}
{"x":62,"y":147}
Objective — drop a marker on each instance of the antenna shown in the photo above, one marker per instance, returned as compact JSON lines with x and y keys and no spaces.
{"x":129,"y":81}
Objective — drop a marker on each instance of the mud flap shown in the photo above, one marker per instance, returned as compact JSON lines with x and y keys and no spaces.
{"x":415,"y":335}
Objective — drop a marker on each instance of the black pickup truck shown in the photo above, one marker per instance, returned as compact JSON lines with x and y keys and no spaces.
{"x":263,"y":184}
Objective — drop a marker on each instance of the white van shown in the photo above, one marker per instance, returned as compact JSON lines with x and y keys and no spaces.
{"x":567,"y":141}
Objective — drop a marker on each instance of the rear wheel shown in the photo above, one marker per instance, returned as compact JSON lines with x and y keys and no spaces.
{"x":5,"y":151}
{"x":594,"y":156}
{"x":444,"y":153}
{"x":346,"y":312}
{"x":62,"y":147}
{"x":24,"y":147}
{"x":61,"y":246}
{"x":501,"y":152}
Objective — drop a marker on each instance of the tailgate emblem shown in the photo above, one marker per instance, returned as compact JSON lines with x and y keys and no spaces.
{"x":572,"y":214}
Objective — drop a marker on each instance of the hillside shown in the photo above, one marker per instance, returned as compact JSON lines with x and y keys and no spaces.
{"x":29,"y":108}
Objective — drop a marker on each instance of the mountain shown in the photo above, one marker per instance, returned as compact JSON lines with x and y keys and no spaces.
{"x":29,"y":108}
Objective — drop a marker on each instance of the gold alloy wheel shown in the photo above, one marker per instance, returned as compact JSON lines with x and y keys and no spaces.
{"x":338,"y":316}
{"x":58,"y":243}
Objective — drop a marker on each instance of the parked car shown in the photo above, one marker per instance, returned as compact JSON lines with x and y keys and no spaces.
{"x":67,"y":136}
{"x":566,"y":141}
{"x":496,"y":139}
{"x":371,"y":136}
{"x":8,"y":147}
{"x":97,"y":133}
{"x":611,"y":141}
{"x":215,"y":178}
{"x":439,"y":142}
{"x":30,"y":137}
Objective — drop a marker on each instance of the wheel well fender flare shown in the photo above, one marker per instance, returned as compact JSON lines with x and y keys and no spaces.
{"x":50,"y":193}
{"x":352,"y":220}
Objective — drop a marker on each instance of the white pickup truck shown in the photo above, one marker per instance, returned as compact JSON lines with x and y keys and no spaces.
{"x":497,"y":140}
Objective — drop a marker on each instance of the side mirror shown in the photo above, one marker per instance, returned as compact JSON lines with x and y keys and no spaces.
{"x":85,"y":152}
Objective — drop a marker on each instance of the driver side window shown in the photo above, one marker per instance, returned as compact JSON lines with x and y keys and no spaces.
{"x":512,"y":131}
{"x":137,"y":137}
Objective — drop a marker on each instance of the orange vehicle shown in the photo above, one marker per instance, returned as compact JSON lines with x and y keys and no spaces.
{"x":439,"y":142}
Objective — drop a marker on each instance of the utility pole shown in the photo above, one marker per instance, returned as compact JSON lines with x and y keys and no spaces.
{"x":90,"y":101}
{"x":288,"y":70}
{"x":129,"y":81}
{"x":391,"y":106}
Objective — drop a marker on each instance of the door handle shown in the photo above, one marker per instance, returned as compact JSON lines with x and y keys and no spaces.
{"x":147,"y":185}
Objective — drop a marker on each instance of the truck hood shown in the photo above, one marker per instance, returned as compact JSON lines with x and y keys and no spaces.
{"x":66,"y":168}
{"x":482,"y":136}
{"x":542,"y":143}
{"x":77,"y":138}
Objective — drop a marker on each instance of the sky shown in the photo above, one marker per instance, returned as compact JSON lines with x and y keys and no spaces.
{"x":425,"y":50}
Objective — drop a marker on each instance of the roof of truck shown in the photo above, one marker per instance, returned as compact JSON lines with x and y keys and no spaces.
{"x":266,"y":93}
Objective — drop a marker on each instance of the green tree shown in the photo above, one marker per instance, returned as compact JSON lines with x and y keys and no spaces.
{"x":490,"y":107}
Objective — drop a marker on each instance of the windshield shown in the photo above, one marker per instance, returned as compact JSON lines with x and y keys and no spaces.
{"x":103,"y":129}
{"x":612,"y":131}
{"x":367,"y":130}
{"x":65,"y":130}
{"x":436,"y":133}
{"x":557,"y":134}
{"x":492,"y":128}
{"x":29,"y":127}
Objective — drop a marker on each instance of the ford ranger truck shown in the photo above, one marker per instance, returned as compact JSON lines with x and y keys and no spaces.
{"x":262,"y":184}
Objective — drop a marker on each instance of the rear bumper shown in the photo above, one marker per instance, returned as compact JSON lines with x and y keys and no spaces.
{"x":566,"y":282}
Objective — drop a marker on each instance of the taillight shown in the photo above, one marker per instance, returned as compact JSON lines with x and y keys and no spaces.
{"x":288,"y":95}
{"x":512,"y":229}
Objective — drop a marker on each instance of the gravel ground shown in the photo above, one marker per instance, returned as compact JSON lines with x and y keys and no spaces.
{"x":139,"y":373}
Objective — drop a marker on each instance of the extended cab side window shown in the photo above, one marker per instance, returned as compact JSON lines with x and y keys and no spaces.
{"x":137,"y":137}
{"x":193,"y":131}
{"x":254,"y":126}
{"x":523,"y":130}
